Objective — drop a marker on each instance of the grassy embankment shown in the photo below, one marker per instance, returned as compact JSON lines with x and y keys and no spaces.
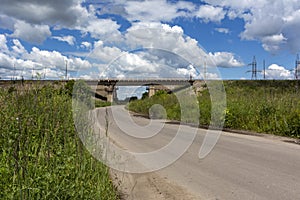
{"x":261,"y":106}
{"x":41,"y":155}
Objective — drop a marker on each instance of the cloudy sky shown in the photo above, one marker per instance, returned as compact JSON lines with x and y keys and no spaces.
{"x":168,"y":38}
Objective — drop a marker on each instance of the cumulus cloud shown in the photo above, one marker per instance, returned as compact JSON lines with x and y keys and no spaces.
{"x":210,"y":13}
{"x":18,"y":62}
{"x":156,"y":10}
{"x":54,"y":59}
{"x":3,"y":44}
{"x":6,"y":61}
{"x":68,"y":39}
{"x":225,"y":59}
{"x":65,"y":12}
{"x":163,"y":10}
{"x":275,"y":71}
{"x":275,"y":23}
{"x":104,"y":54}
{"x":31,"y":20}
{"x":273,"y":43}
{"x":31,"y":33}
{"x":166,"y":37}
{"x":86,"y":45}
{"x":18,"y":48}
{"x":102,"y":28}
{"x":157,"y":50}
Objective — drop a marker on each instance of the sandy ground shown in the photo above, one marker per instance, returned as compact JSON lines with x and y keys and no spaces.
{"x":149,"y":186}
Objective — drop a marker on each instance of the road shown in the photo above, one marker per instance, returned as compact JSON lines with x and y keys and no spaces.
{"x":239,"y":167}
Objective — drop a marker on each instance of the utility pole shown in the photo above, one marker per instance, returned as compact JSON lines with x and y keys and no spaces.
{"x":66,"y":69}
{"x":44,"y":73}
{"x":264,"y":66}
{"x":205,"y":71}
{"x":254,"y":68}
{"x":14,"y":74}
{"x":32,"y":74}
{"x":297,"y":66}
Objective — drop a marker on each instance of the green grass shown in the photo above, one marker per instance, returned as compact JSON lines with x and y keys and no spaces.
{"x":264,"y":106}
{"x":261,"y":106}
{"x":99,"y":103}
{"x":41,"y":154}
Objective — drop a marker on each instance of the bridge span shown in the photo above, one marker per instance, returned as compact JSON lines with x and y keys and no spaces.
{"x":108,"y":87}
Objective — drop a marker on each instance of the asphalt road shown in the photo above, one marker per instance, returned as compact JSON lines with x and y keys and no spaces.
{"x":239,"y":167}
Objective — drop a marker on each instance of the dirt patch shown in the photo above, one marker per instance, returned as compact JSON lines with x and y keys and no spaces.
{"x":148,"y":186}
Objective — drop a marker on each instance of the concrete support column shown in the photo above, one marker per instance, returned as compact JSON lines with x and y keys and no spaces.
{"x":110,"y":93}
{"x":110,"y":97}
{"x":151,"y":90}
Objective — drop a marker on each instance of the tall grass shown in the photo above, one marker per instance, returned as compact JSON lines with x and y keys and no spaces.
{"x":264,"y":106}
{"x":260,"y":106}
{"x":41,"y":154}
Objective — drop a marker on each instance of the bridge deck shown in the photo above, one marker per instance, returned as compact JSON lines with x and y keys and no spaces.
{"x":140,"y":82}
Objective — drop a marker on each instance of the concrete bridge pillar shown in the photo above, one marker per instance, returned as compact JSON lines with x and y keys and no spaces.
{"x":110,"y":89}
{"x":151,"y":90}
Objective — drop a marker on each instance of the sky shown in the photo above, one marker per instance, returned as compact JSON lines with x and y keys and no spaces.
{"x":209,"y":39}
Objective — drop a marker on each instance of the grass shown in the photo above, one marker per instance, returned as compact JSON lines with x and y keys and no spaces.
{"x":261,"y":106}
{"x":41,"y":155}
{"x":264,"y":106}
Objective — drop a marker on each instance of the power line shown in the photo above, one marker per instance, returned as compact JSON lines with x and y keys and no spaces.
{"x":254,"y":68}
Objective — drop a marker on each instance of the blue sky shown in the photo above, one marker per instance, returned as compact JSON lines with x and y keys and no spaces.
{"x":99,"y":38}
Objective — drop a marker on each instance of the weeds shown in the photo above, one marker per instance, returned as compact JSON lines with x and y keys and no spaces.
{"x":261,"y":106}
{"x":41,"y":154}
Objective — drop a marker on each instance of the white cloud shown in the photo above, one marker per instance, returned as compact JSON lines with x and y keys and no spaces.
{"x":163,"y":10}
{"x":163,"y":36}
{"x":31,"y":33}
{"x":225,"y":59}
{"x":6,"y":61}
{"x":274,"y":42}
{"x":86,"y":45}
{"x":159,"y":50}
{"x":16,"y":62}
{"x":68,"y":39}
{"x":18,"y":48}
{"x":210,"y":13}
{"x":222,"y":30}
{"x":51,"y":63}
{"x":275,"y":23}
{"x":275,"y":71}
{"x":3,"y":44}
{"x":31,"y":20}
{"x":156,"y":10}
{"x":189,"y":71}
{"x":64,"y":12}
{"x":54,"y":59}
{"x":101,"y":29}
{"x":104,"y":54}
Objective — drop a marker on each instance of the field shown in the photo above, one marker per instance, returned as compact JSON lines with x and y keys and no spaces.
{"x":41,"y":154}
{"x":260,"y":106}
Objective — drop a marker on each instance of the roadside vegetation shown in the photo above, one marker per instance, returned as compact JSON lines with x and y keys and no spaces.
{"x":41,"y":155}
{"x":261,"y":106}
